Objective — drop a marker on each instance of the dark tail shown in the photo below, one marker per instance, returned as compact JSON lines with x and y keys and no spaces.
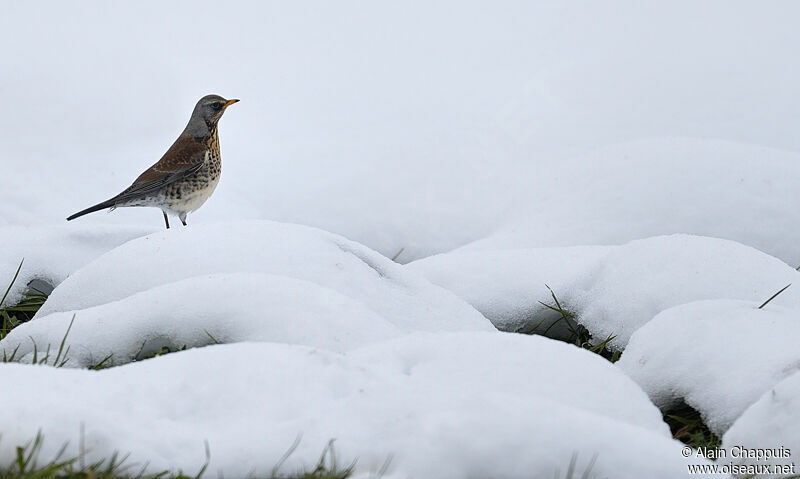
{"x":92,"y":209}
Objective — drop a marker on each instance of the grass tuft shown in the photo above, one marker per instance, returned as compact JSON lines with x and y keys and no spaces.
{"x":571,"y":469}
{"x":579,"y":335}
{"x":12,"y":316}
{"x":326,"y":468}
{"x":61,"y":358}
{"x":687,"y":426}
{"x":26,"y":466}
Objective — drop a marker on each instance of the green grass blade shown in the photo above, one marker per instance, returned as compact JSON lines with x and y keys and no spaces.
{"x":14,"y":280}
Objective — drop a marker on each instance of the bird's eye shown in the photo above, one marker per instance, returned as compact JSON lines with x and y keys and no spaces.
{"x":217,"y":106}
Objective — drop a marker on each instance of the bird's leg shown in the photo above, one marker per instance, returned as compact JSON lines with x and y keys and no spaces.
{"x":182,"y":216}
{"x":166,"y":220}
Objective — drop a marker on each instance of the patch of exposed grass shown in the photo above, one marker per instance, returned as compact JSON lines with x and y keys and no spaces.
{"x":27,"y":466}
{"x":140,"y":356}
{"x":163,"y":350}
{"x":12,"y":316}
{"x":572,"y":471}
{"x":326,"y":468}
{"x":57,"y":358}
{"x":579,"y":335}
{"x":687,"y":426}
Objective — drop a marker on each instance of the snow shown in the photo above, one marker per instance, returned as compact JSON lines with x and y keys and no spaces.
{"x":718,"y":356}
{"x":612,"y":291}
{"x":51,"y":253}
{"x":770,"y":423}
{"x":250,"y":401}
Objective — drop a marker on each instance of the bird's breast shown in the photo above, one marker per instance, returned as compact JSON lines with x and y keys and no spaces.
{"x":190,"y":193}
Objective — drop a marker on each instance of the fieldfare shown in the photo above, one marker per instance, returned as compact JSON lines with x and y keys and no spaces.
{"x":183,"y":179}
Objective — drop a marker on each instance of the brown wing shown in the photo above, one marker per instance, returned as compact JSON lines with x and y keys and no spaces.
{"x":184,"y":158}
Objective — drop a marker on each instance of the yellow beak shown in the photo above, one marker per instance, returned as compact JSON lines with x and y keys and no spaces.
{"x":230,"y":102}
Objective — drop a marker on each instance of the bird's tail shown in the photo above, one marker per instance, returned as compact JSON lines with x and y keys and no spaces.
{"x":99,"y":206}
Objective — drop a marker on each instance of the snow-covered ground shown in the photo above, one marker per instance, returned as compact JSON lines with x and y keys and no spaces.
{"x":639,"y":159}
{"x":389,"y":400}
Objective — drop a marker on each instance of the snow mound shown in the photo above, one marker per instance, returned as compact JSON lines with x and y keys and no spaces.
{"x":770,"y":423}
{"x":612,"y":291}
{"x":52,"y":253}
{"x":202,"y":310}
{"x":250,"y":401}
{"x":266,"y":247}
{"x":717,"y":356}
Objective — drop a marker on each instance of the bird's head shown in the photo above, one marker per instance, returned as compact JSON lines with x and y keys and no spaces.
{"x":210,"y":109}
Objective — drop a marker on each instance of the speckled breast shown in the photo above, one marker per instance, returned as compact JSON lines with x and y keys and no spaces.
{"x":191,"y":192}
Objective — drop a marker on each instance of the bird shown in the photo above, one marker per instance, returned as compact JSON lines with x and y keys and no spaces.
{"x":184,"y":178}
